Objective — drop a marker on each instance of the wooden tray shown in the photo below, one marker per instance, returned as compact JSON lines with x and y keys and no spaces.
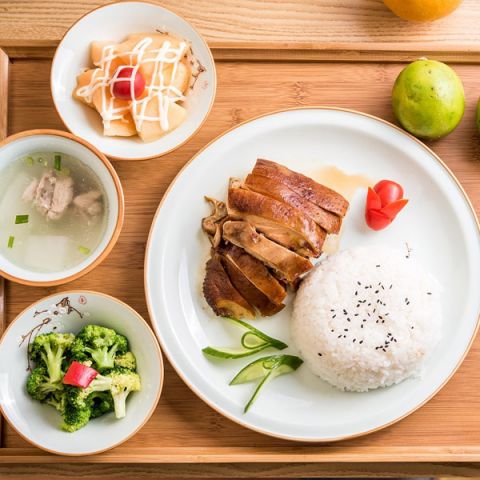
{"x":184,"y":434}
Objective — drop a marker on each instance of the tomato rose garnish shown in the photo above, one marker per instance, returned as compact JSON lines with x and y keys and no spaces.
{"x":384,"y":202}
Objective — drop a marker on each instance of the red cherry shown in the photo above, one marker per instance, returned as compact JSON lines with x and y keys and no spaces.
{"x":122,"y":84}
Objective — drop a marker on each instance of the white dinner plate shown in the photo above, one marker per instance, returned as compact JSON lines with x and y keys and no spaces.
{"x":439,"y":225}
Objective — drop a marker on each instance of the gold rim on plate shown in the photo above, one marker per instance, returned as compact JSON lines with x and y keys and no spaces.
{"x":170,"y":357}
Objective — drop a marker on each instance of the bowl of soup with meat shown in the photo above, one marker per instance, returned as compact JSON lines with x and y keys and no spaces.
{"x":61,"y":207}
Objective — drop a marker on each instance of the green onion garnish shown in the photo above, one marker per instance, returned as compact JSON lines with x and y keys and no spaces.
{"x":84,"y":250}
{"x":43,"y":161}
{"x":57,"y":162}
{"x":29,"y":161}
{"x":21,"y":219}
{"x":10,"y":241}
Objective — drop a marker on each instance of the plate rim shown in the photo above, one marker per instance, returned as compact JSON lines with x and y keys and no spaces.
{"x":161,"y":7}
{"x":158,"y":351}
{"x":178,"y":370}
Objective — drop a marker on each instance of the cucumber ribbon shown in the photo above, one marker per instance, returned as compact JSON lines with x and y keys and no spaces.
{"x":252,"y":342}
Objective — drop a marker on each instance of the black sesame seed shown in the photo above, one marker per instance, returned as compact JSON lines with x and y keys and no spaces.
{"x":361,"y":326}
{"x":361,"y":341}
{"x":319,"y":354}
{"x":364,"y":320}
{"x":334,"y":316}
{"x":429,"y":293}
{"x":339,"y":336}
{"x":390,"y":287}
{"x":332,"y":330}
{"x":356,"y":314}
{"x":359,"y":283}
{"x":344,"y":336}
{"x":376,"y":291}
{"x":345,"y":329}
{"x":348,"y":320}
{"x":356,"y":292}
{"x":378,"y":266}
{"x":354,"y":340}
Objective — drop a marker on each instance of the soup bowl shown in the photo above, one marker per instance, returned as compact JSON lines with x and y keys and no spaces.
{"x":69,"y":312}
{"x":25,"y":144}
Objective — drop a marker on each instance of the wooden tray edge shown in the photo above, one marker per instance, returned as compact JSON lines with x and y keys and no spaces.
{"x":296,"y":53}
{"x":295,"y":454}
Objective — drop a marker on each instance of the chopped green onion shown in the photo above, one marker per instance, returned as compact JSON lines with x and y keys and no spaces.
{"x":57,"y":162}
{"x":21,"y":219}
{"x":10,"y":241}
{"x":29,"y":161}
{"x":84,"y":250}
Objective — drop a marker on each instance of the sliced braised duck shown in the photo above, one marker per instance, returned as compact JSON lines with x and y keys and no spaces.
{"x":279,"y":191}
{"x":286,"y":263}
{"x":276,"y":220}
{"x":312,"y":191}
{"x":221,"y":295}
{"x":212,"y":225}
{"x":253,"y":280}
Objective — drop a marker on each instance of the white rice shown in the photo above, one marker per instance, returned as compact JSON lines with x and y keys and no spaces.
{"x":366,"y":318}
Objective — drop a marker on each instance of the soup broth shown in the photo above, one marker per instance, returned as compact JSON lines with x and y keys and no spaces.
{"x":53,"y":212}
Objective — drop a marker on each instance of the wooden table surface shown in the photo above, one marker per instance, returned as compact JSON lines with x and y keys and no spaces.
{"x":239,"y":31}
{"x":316,"y":29}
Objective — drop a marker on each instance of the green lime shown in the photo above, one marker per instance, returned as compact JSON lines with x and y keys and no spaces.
{"x":428,"y":99}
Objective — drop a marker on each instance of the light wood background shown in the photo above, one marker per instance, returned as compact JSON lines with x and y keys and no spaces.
{"x":318,"y":29}
{"x":183,"y":428}
{"x":442,"y":437}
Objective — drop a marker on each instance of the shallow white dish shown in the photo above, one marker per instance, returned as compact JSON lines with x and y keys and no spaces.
{"x":114,"y":22}
{"x":69,"y":312}
{"x":439,"y":225}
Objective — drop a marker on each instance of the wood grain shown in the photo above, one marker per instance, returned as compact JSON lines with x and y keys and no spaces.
{"x":183,"y":428}
{"x":322,"y":29}
{"x":4,"y":63}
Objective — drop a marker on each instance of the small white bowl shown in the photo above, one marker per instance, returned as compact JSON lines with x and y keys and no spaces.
{"x":31,"y":141}
{"x":69,"y":312}
{"x":114,"y":22}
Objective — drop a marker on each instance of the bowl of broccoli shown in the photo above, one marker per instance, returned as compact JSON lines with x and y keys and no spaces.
{"x":81,"y":373}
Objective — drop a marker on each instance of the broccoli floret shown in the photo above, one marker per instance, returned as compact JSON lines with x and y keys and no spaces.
{"x":75,"y":417}
{"x":127,"y":361}
{"x":101,"y":344}
{"x":56,"y":400}
{"x":50,"y":350}
{"x":123,"y":382}
{"x":39,"y":386}
{"x":100,"y":403}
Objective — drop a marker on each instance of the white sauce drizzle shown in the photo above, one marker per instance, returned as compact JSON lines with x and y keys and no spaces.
{"x":165,"y":94}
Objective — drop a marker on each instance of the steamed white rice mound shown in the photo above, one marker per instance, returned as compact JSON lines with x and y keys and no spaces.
{"x":366,"y":318}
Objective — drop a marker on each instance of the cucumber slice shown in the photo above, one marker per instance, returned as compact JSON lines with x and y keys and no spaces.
{"x":266,"y":368}
{"x":232,"y":353}
{"x":275,"y":343}
{"x":252,"y":341}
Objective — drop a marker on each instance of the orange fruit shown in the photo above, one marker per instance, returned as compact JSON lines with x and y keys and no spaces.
{"x":422,"y":10}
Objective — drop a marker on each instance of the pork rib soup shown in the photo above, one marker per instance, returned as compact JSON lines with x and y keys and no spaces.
{"x":53,"y":212}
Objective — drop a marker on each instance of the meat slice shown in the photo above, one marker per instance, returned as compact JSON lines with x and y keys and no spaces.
{"x":287,"y":264}
{"x":51,"y":195}
{"x":276,"y":220}
{"x":312,"y":191}
{"x":253,"y":280}
{"x":62,"y":197}
{"x":89,"y":203}
{"x":279,"y":191}
{"x":221,"y":295}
